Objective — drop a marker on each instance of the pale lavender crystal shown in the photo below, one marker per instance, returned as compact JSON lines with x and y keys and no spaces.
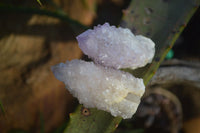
{"x":104,"y":88}
{"x":116,"y":47}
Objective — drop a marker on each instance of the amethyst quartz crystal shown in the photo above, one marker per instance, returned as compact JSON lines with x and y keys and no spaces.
{"x":101,"y":84}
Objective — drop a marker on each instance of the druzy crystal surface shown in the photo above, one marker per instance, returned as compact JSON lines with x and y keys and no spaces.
{"x":116,"y":47}
{"x":102,"y":87}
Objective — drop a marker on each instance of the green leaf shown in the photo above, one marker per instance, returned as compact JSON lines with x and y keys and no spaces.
{"x":39,"y":2}
{"x":87,"y":120}
{"x":162,"y":21}
{"x":170,"y":54}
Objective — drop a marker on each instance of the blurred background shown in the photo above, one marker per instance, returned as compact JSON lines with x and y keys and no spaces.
{"x":33,"y":39}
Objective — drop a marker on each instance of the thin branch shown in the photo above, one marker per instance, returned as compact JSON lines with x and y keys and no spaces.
{"x":76,"y":26}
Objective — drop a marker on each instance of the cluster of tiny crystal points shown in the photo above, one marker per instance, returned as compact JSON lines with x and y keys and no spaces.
{"x":116,"y":47}
{"x":104,"y":88}
{"x":102,"y":85}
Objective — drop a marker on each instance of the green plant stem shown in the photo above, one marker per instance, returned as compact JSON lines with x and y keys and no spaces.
{"x":76,"y":26}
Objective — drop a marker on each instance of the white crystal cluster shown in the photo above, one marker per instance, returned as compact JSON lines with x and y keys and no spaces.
{"x":101,"y":85}
{"x":116,"y":47}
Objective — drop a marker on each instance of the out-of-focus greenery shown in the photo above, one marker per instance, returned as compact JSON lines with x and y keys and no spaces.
{"x":17,"y":131}
{"x":2,"y":108}
{"x":131,"y":131}
{"x":39,"y":2}
{"x":170,"y":54}
{"x":76,"y":26}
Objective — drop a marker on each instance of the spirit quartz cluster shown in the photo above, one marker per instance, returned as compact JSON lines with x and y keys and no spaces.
{"x":101,"y":85}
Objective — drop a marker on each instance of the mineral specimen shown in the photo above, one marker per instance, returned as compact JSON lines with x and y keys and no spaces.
{"x":102,"y":87}
{"x":116,"y":47}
